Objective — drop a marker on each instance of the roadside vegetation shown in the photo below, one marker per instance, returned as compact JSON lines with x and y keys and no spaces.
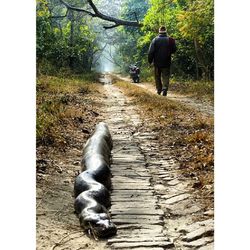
{"x":69,"y":38}
{"x":189,"y":22}
{"x":198,"y":89}
{"x":187,"y":135}
{"x":62,"y":105}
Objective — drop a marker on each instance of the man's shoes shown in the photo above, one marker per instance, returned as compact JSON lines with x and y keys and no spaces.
{"x":164,"y":92}
{"x":158,"y":92}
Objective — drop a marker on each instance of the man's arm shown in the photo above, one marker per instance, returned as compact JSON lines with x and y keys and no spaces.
{"x":151,"y":52}
{"x":173,"y":45}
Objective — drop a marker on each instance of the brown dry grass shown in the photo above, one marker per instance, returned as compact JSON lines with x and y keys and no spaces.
{"x":199,"y":89}
{"x":67,"y":112}
{"x":59,"y":109}
{"x":188,"y":135}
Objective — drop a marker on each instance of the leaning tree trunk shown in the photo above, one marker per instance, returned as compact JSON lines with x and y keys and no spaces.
{"x":201,"y":60}
{"x":71,"y":39}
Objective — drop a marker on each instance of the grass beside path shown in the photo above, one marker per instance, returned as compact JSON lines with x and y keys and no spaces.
{"x":62,"y":105}
{"x":202,"y":90}
{"x":187,"y":136}
{"x":197,"y":89}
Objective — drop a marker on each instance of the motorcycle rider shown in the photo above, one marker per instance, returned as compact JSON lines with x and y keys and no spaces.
{"x":134,"y":72}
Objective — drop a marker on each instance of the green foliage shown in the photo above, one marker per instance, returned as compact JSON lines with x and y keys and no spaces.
{"x":197,"y":22}
{"x":76,"y":41}
{"x":128,"y":52}
{"x":63,"y":42}
{"x":190,"y":22}
{"x":44,"y":31}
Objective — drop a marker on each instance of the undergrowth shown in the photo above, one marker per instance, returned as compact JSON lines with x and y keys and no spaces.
{"x":198,"y":89}
{"x":59,"y":107}
{"x":188,"y":135}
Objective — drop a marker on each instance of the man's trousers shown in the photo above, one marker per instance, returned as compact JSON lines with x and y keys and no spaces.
{"x":162,"y":76}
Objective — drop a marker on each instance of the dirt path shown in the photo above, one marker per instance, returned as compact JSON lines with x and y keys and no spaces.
{"x":134,"y":206}
{"x":204,"y":108}
{"x":152,"y":205}
{"x":57,"y":226}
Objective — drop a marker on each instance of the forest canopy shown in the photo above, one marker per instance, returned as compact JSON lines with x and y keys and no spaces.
{"x":81,"y":35}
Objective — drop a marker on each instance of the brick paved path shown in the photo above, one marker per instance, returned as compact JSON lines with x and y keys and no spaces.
{"x":134,"y":206}
{"x":152,"y":205}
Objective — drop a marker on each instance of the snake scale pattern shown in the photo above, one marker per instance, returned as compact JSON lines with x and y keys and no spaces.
{"x":92,"y":186}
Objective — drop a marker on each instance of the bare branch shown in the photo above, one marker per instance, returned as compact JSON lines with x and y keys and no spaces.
{"x":111,"y":27}
{"x":117,"y":22}
{"x":100,"y":53}
{"x":136,"y":17}
{"x":100,"y":49}
{"x":68,"y":6}
{"x":110,"y":60}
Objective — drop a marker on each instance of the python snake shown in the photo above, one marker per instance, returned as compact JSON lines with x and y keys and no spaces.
{"x":92,"y":186}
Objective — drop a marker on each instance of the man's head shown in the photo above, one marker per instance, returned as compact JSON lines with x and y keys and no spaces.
{"x":162,"y":30}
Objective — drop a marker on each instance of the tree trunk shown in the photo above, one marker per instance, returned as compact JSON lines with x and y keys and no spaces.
{"x":71,"y":40}
{"x":200,"y":60}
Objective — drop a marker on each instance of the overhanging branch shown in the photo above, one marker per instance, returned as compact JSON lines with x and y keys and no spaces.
{"x":111,"y":27}
{"x":68,"y":6}
{"x":117,"y":22}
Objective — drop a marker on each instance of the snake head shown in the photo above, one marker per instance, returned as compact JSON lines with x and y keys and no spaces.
{"x":99,"y":224}
{"x":104,"y":228}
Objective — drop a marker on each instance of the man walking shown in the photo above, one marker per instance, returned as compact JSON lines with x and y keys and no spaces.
{"x":159,"y":53}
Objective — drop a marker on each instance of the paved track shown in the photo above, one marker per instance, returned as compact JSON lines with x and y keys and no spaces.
{"x":152,"y":205}
{"x":134,"y":206}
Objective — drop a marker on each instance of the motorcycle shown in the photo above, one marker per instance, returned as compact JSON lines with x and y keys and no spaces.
{"x":134,"y":72}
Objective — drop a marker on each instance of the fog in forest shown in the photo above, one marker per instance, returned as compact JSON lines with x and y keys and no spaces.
{"x":105,"y":59}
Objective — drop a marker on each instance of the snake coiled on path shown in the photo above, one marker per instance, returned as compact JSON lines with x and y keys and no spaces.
{"x":92,"y":186}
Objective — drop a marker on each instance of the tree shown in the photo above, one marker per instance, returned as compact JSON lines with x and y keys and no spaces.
{"x":96,"y":13}
{"x":127,"y":47}
{"x":190,"y":22}
{"x":196,"y":24}
{"x":78,"y":34}
{"x":64,"y":38}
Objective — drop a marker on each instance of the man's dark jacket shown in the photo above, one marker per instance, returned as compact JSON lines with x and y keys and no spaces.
{"x":160,"y":51}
